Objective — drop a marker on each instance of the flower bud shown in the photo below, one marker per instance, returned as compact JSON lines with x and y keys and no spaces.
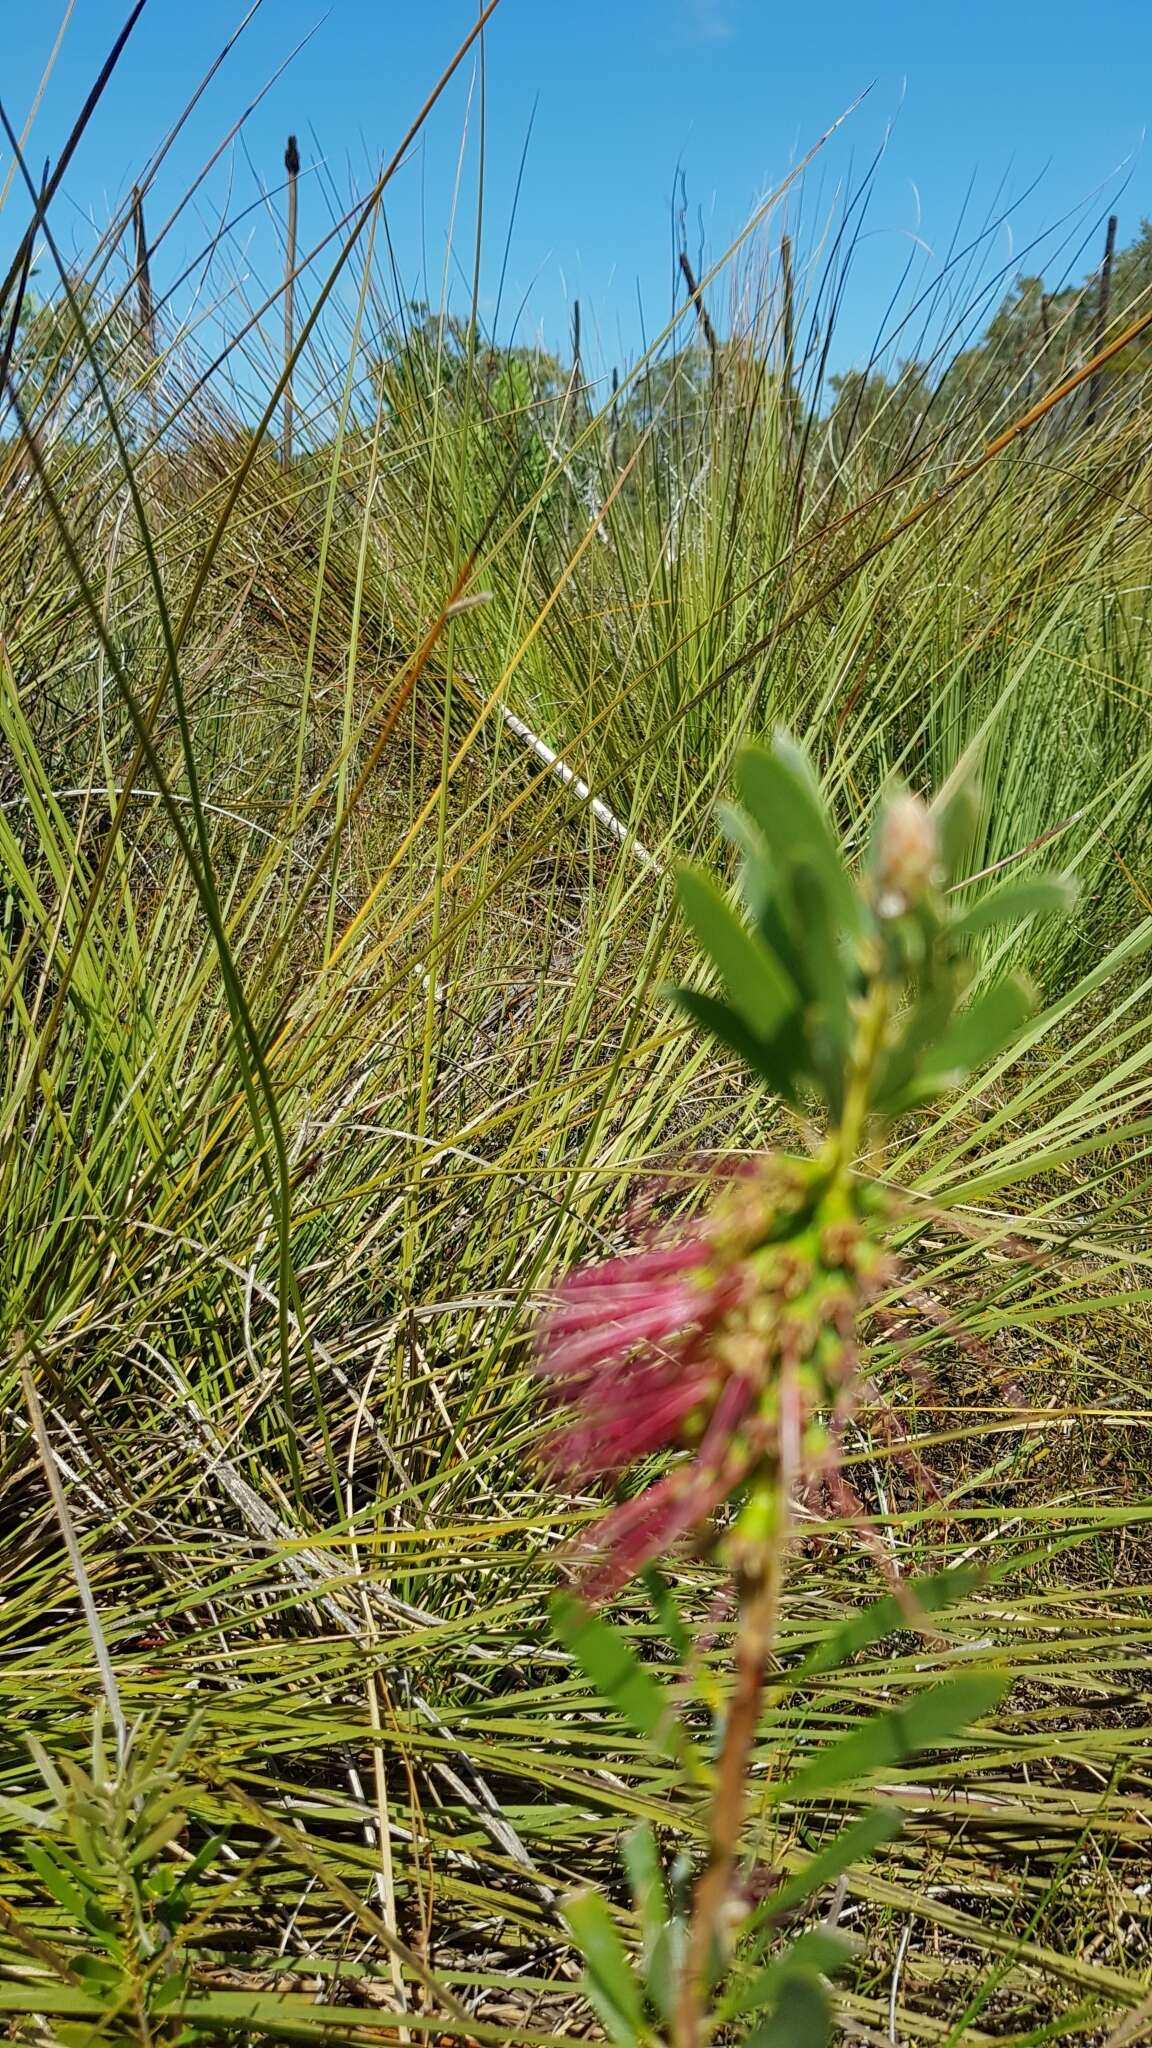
{"x":907,"y":855}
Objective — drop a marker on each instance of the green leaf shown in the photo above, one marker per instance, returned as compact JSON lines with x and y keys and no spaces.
{"x":660,"y":1939}
{"x":169,"y":1991}
{"x":758,"y":878}
{"x":646,"y":1878}
{"x":205,"y":1856}
{"x":663,"y":1973}
{"x":606,"y":1656}
{"x":975,"y":1037}
{"x":780,"y":791}
{"x":923,"y":1026}
{"x":938,"y":1713}
{"x":956,"y":828}
{"x":889,"y":1738}
{"x":760,"y":989}
{"x":38,"y":1818}
{"x":668,"y":1616}
{"x":826,"y":1020}
{"x":769,"y":1058}
{"x":854,"y":1844}
{"x":823,"y":1950}
{"x":761,"y":889}
{"x":883,"y":1617}
{"x":158,"y":1837}
{"x":1035,"y":896}
{"x":611,"y":1986}
{"x":819,"y":1953}
{"x":58,"y":1883}
{"x":97,"y":1974}
{"x":801,"y":2016}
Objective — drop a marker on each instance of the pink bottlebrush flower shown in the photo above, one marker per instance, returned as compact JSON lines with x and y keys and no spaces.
{"x":726,"y":1345}
{"x":624,"y":1345}
{"x":631,"y":1349}
{"x":632,"y":1535}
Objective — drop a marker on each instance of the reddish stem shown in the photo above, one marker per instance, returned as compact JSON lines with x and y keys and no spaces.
{"x":756,"y":1590}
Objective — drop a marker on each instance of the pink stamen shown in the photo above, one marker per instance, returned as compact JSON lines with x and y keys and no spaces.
{"x":628,"y":1347}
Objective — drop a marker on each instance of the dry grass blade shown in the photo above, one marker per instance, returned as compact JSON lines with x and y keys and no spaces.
{"x":75,"y":1558}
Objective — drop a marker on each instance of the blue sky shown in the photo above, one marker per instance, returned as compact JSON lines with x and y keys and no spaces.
{"x":981,"y":110}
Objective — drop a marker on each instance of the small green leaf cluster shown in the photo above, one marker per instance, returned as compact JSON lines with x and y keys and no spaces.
{"x":107,"y":1847}
{"x":814,"y":946}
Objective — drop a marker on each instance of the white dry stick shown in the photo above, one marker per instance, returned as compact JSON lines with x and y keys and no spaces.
{"x":894,"y":1995}
{"x":558,"y":767}
{"x":563,"y":773}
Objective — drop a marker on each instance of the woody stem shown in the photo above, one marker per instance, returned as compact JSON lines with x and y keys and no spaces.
{"x":757,"y":1588}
